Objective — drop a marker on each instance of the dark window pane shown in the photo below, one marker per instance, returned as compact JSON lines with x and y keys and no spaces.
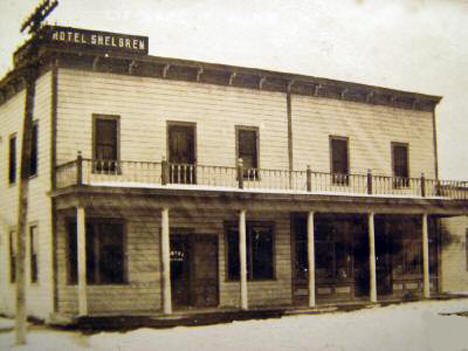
{"x":91,"y":241}
{"x":111,"y":265}
{"x":262,"y":253}
{"x":259,"y":253}
{"x":247,"y":148}
{"x":339,"y":156}
{"x":106,"y":139}
{"x":339,"y":161}
{"x":233,"y":254}
{"x":72,"y":254}
{"x":33,"y":159}
{"x":400,"y":165}
{"x":12,"y":241}
{"x":34,"y":246}
{"x":12,"y":160}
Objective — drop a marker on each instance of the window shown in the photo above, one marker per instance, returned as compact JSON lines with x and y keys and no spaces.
{"x":407,"y":246}
{"x":104,"y":252}
{"x":333,"y":249}
{"x":12,"y":242}
{"x":247,"y":150}
{"x":400,"y":165}
{"x":12,"y":160}
{"x":260,"y":243}
{"x":33,"y":159}
{"x":34,"y":249}
{"x":339,"y":160}
{"x":106,"y":140}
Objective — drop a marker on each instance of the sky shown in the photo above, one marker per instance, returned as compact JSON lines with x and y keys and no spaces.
{"x":413,"y":45}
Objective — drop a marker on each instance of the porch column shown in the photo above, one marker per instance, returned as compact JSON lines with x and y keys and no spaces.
{"x":166,"y":263}
{"x":311,"y":257}
{"x":372,"y":269}
{"x":81,"y":248}
{"x":425,"y":249}
{"x":243,"y":259}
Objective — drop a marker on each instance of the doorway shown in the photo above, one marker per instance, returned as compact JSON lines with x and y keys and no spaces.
{"x":194,"y":270}
{"x":182,"y":153}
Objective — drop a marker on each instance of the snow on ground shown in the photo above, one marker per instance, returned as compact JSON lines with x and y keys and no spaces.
{"x":411,"y":326}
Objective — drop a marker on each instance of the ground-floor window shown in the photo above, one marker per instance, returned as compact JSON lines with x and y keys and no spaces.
{"x":333,"y":248}
{"x":260,"y":244}
{"x":104,"y":252}
{"x":12,"y":244}
{"x":406,"y":235}
{"x":34,"y":250}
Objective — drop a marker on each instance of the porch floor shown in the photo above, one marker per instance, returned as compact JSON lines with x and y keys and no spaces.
{"x":123,"y":321}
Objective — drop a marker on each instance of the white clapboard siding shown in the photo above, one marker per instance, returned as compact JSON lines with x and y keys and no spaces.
{"x":39,"y":298}
{"x":146,"y":104}
{"x":454,"y":265}
{"x":370,"y":129}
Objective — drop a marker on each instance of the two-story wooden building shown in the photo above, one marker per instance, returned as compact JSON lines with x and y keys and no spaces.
{"x":159,"y":184}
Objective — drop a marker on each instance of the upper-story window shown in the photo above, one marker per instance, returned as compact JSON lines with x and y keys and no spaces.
{"x":400,"y":165}
{"x":34,"y":250}
{"x":106,"y":143}
{"x":12,"y":160}
{"x":181,"y":143}
{"x":33,"y":155}
{"x":339,"y":160}
{"x":247,"y":150}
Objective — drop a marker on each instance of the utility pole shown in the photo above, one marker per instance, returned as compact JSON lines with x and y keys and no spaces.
{"x":29,"y":78}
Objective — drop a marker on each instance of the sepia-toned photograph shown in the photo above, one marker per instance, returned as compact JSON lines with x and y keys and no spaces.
{"x":234,"y":175}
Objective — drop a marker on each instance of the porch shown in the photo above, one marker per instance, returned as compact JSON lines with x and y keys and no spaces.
{"x":184,"y":250}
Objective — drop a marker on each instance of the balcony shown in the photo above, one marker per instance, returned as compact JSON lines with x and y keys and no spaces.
{"x":160,"y":175}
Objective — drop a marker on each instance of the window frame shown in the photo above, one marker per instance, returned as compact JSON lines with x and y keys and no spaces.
{"x":238,"y":129}
{"x":34,"y":254}
{"x":249,"y":225}
{"x":101,"y":168}
{"x":399,"y":181}
{"x":72,"y":273}
{"x":339,"y":178}
{"x":12,"y":161}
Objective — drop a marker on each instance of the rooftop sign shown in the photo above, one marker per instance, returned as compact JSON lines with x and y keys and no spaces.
{"x":68,"y":37}
{"x":82,"y":40}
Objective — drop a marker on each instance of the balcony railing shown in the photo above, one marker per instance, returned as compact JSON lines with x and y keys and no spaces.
{"x":84,"y":171}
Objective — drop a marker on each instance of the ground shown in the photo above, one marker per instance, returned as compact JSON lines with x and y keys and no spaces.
{"x":427,"y":325}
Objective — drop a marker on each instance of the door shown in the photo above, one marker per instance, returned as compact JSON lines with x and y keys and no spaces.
{"x":181,"y":145}
{"x":180,"y":270}
{"x":204,"y":271}
{"x":194,"y":270}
